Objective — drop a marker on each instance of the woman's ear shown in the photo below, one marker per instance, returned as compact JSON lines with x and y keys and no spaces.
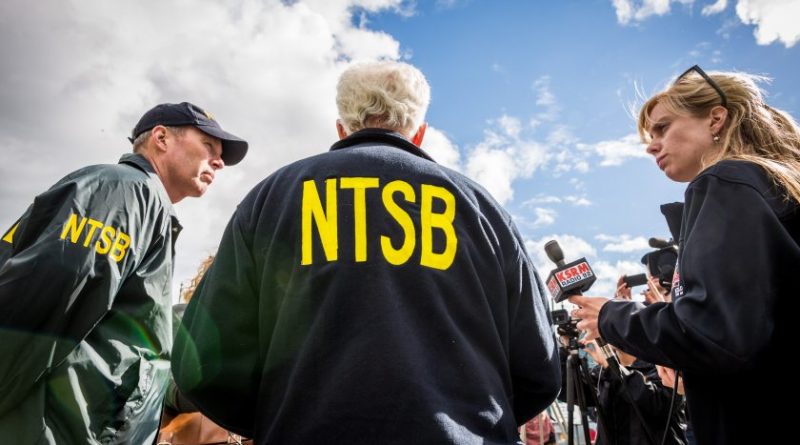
{"x":719,"y":116}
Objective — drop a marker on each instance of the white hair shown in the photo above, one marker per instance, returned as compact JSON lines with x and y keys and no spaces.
{"x":390,"y":95}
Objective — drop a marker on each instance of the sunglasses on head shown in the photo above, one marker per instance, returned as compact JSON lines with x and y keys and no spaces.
{"x":708,"y":79}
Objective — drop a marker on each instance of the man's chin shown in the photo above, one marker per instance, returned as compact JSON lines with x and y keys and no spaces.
{"x":200,"y":190}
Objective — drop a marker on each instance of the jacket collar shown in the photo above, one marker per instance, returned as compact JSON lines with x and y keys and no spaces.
{"x":383,"y":136}
{"x":141,"y":163}
{"x":138,"y":161}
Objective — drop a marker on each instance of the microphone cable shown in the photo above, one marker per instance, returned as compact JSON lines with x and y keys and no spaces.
{"x":671,"y":406}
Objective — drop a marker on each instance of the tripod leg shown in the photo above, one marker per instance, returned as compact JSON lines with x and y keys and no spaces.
{"x":581,"y":396}
{"x":571,"y":374}
{"x":584,"y":417}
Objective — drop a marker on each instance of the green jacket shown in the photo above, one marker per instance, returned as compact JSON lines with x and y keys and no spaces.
{"x":85,"y":326}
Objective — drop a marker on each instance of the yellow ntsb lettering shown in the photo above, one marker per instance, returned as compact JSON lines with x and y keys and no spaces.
{"x":442,"y":221}
{"x":403,"y":253}
{"x":9,"y":236}
{"x":325,"y":220}
{"x":76,"y":226}
{"x":360,"y":186}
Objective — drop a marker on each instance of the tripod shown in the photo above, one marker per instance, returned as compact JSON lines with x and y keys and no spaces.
{"x":577,"y":375}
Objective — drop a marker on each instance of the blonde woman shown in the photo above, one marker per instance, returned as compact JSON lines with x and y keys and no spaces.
{"x":728,"y":325}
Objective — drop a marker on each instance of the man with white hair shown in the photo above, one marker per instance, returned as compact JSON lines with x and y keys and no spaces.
{"x":369,"y":295}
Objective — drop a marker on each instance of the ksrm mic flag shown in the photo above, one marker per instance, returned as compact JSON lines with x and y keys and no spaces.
{"x":567,"y":279}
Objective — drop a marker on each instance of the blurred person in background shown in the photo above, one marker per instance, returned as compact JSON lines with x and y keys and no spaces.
{"x":181,"y":422}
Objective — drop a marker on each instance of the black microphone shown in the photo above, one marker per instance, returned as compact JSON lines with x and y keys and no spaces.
{"x":567,"y":279}
{"x":659,"y":243}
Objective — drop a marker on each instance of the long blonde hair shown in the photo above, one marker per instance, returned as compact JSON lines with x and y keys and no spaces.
{"x":188,"y":288}
{"x":753,"y":130}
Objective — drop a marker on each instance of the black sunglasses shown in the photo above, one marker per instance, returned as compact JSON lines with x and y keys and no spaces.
{"x":708,"y":79}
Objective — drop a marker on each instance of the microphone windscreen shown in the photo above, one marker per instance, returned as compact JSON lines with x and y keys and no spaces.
{"x":658,"y":243}
{"x":554,"y":252}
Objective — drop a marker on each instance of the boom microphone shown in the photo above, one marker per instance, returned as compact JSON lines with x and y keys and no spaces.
{"x":658,"y":243}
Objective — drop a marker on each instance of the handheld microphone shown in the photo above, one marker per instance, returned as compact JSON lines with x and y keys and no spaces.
{"x":567,"y":279}
{"x":574,"y":279}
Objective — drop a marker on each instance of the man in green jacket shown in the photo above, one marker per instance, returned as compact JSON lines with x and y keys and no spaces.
{"x":85,"y":279}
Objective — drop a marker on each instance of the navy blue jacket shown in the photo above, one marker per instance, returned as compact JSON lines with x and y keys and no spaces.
{"x":734,"y":293}
{"x":639,"y":385}
{"x":369,"y":295}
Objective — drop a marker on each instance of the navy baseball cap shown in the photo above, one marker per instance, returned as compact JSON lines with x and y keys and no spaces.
{"x":176,"y":115}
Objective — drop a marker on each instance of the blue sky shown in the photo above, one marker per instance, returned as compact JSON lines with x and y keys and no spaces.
{"x":576,"y":64}
{"x":531,"y":98}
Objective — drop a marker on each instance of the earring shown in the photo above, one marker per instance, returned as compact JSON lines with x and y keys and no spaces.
{"x":716,"y":138}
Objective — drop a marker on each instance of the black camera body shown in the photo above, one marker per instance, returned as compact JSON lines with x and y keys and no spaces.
{"x":561,"y":317}
{"x":661,"y":264}
{"x":635,"y":280}
{"x":567,"y":326}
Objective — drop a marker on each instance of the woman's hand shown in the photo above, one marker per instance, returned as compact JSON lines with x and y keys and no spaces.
{"x":588,"y":311}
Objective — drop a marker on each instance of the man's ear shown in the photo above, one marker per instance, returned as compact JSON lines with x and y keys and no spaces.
{"x":719,"y":116}
{"x":159,"y":136}
{"x":419,"y":135}
{"x":340,"y":129}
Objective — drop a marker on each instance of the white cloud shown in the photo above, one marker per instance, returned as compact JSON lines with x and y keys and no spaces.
{"x":577,"y":184}
{"x":266,"y":69}
{"x":511,"y":126}
{"x":580,"y":201}
{"x":496,"y":166}
{"x":507,"y":152}
{"x":631,"y":10}
{"x":652,"y":7}
{"x":624,"y":9}
{"x":715,"y":8}
{"x":542,"y":199}
{"x":545,"y":99}
{"x":616,"y":152}
{"x":503,"y":157}
{"x":608,"y":273}
{"x":775,"y":20}
{"x":441,"y":149}
{"x":623,"y":243}
{"x":544,"y":217}
{"x":705,"y":51}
